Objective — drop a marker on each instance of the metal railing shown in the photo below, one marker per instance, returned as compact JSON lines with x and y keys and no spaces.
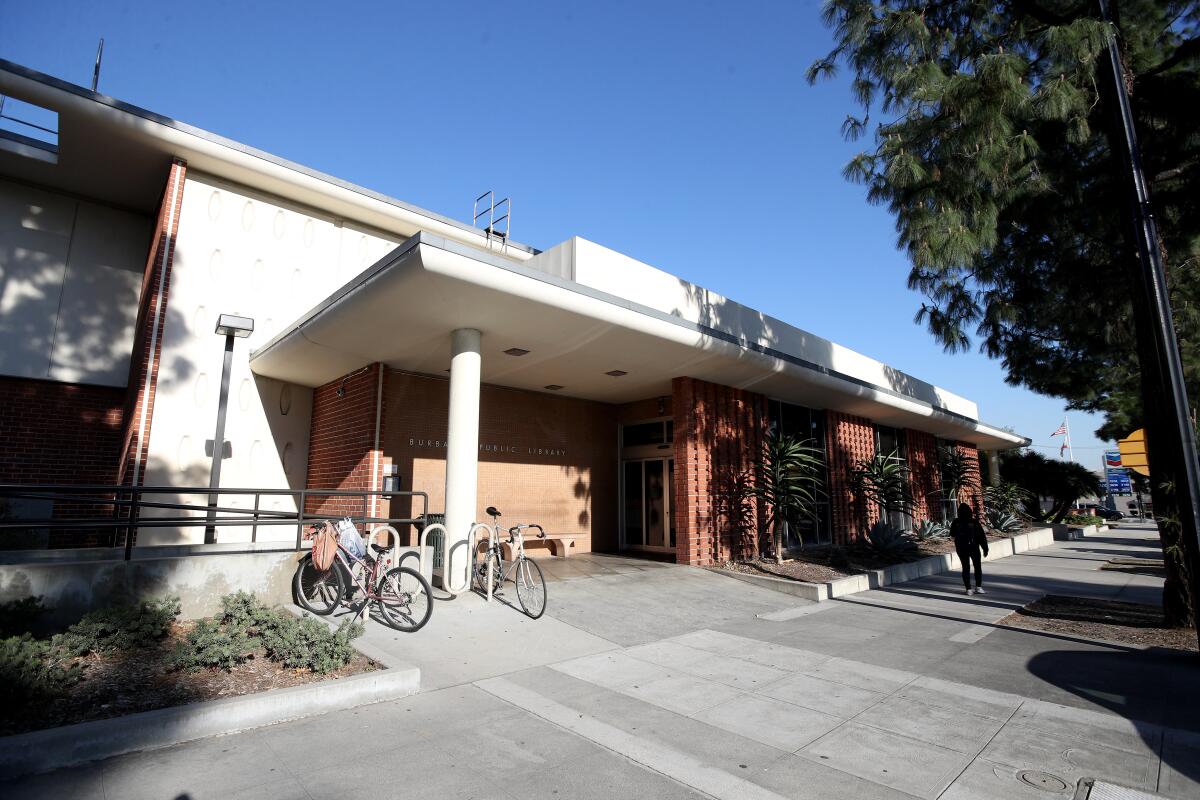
{"x":121,"y":510}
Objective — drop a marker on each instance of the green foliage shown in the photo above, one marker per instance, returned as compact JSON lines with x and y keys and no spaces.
{"x":991,"y":148}
{"x":927,"y":530}
{"x":1062,"y":481}
{"x":127,"y":627}
{"x":890,"y":542}
{"x":1003,"y":521}
{"x":308,"y":644}
{"x":18,"y":616}
{"x":884,"y":481}
{"x":31,"y":669}
{"x":957,"y":468}
{"x":243,"y":611}
{"x":1083,"y":519}
{"x":788,"y":481}
{"x":1006,"y":497}
{"x":212,"y":644}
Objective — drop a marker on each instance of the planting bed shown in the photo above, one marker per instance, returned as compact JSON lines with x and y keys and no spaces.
{"x":1107,"y":620}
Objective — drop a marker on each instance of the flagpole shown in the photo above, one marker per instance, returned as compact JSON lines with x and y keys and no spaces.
{"x":1070,"y":450}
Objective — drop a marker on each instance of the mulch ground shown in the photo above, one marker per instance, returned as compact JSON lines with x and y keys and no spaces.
{"x":116,"y":684}
{"x":1107,"y":620}
{"x":820,"y":564}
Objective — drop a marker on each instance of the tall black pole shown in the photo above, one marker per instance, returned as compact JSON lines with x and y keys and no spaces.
{"x":214,"y":480}
{"x":1173,"y":450}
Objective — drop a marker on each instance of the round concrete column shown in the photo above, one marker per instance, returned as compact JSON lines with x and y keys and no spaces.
{"x":993,"y":458}
{"x":462,"y":448}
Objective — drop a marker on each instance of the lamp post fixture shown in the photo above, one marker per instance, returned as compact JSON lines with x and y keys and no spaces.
{"x":231,"y":327}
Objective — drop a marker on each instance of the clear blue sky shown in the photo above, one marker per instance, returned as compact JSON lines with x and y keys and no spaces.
{"x":677,"y":133}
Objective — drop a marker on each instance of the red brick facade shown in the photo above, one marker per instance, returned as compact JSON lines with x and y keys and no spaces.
{"x":341,"y":451}
{"x":148,"y":330}
{"x":972,"y":492}
{"x":849,"y":439}
{"x":923,"y":472}
{"x":718,"y":437}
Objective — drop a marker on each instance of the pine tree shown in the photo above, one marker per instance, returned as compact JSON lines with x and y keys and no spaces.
{"x":993,"y":156}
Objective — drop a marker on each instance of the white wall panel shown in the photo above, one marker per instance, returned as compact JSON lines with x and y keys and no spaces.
{"x":242,"y":253}
{"x":70,"y":273}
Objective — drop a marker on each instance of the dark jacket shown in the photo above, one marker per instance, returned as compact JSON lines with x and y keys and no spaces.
{"x":968,"y":534}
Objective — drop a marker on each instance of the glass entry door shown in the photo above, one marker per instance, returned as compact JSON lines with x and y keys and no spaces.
{"x":647,"y":488}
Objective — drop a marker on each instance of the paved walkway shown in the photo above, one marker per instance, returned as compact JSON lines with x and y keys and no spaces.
{"x":645,"y":680}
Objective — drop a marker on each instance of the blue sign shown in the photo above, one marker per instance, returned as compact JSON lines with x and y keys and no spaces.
{"x":1118,"y":482}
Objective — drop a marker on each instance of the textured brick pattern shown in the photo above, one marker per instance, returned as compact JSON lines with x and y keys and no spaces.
{"x":543,"y":458}
{"x":923,"y":466}
{"x":148,"y":339}
{"x":849,"y":439}
{"x":972,"y":492}
{"x":341,"y":453}
{"x":718,"y":436}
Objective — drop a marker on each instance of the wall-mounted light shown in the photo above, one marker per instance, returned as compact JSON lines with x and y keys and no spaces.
{"x":233,"y":325}
{"x":516,"y":351}
{"x":554,"y":387}
{"x":616,"y":373}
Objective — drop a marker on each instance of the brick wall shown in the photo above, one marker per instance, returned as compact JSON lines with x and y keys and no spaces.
{"x":341,"y":451}
{"x":972,"y":492}
{"x":718,"y":437}
{"x":849,"y":439}
{"x":543,"y":457}
{"x":148,"y":339}
{"x":923,"y":466}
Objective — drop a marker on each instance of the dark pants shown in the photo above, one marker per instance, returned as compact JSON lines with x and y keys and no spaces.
{"x":969,"y":556}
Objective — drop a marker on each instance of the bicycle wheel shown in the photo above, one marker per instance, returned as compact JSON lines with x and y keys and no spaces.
{"x":405,"y":599}
{"x":531,"y":587}
{"x":481,"y":572}
{"x":318,"y":591}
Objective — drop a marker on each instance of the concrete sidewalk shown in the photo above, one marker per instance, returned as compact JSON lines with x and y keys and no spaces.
{"x":659,"y":681}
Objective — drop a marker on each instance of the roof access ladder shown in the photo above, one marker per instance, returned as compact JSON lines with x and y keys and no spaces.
{"x":498,"y":215}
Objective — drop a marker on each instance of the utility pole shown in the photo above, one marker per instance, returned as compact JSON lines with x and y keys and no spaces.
{"x":1171,"y":443}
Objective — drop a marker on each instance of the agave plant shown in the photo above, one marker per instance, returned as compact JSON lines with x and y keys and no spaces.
{"x":928,"y":529}
{"x":889,"y":541}
{"x":1003,"y":521}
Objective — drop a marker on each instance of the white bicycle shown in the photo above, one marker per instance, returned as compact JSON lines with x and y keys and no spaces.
{"x":523,"y":571}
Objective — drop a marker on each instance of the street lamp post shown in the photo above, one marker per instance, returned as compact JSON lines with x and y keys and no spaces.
{"x":231,"y":327}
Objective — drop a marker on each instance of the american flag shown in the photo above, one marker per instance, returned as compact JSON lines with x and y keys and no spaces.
{"x":1062,"y":430}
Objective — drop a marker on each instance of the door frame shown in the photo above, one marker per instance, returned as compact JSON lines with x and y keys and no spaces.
{"x":668,"y":462}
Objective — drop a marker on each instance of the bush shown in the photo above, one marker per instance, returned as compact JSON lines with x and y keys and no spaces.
{"x":18,"y":616}
{"x":1083,"y":519}
{"x":890,"y":542}
{"x":838,"y":557}
{"x":211,"y":644}
{"x":1002,"y":521}
{"x":31,"y":669}
{"x":307,"y":643}
{"x":927,"y":530}
{"x":243,"y":611}
{"x":131,"y":627}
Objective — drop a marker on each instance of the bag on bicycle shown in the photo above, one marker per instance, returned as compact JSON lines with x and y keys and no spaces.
{"x":324,"y":547}
{"x":350,"y":539}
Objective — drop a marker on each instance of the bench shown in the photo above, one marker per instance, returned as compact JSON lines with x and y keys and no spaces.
{"x":560,"y":544}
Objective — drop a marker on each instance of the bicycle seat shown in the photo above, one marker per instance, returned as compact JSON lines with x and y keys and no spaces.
{"x":492,"y":512}
{"x":379,"y":549}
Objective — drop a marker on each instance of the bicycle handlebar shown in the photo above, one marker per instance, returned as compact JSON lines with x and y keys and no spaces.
{"x":517,"y":528}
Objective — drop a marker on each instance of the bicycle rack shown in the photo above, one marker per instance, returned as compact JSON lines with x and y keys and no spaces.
{"x":447,"y":581}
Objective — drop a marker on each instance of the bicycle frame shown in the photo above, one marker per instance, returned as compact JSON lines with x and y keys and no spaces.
{"x":517,"y":539}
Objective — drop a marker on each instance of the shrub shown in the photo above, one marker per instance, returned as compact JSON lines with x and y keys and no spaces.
{"x":889,"y":541}
{"x":31,"y":669}
{"x":18,"y":616}
{"x":130,"y":627}
{"x":927,"y":530}
{"x":243,"y":611}
{"x":1003,"y":521}
{"x":839,"y":558}
{"x":307,"y":643}
{"x":211,"y":644}
{"x":1083,"y":519}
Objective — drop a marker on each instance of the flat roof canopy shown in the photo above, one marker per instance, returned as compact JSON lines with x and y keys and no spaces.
{"x":402,"y":310}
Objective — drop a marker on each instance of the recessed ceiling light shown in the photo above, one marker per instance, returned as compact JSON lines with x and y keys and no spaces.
{"x":616,"y":373}
{"x":516,"y":351}
{"x":554,"y":387}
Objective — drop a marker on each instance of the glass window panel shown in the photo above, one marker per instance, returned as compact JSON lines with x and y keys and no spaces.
{"x":643,"y":433}
{"x":634,"y":532}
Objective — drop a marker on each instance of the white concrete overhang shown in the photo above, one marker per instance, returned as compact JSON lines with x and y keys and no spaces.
{"x":118,"y":153}
{"x":402,"y":310}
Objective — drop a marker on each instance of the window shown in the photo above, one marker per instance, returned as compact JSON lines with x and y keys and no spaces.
{"x":890,"y":442}
{"x":644,"y":433}
{"x":805,"y":424}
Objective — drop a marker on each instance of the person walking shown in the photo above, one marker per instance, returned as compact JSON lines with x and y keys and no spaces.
{"x":969,"y":538}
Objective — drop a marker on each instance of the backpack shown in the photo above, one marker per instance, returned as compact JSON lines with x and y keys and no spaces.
{"x":324,"y":547}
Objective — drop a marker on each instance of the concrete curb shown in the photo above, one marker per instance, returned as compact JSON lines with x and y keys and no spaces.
{"x":70,"y":745}
{"x":898,"y":573}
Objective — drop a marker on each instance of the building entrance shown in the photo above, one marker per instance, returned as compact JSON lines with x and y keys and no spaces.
{"x":647,"y":504}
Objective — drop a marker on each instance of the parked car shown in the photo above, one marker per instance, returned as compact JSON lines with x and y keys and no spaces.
{"x":1108,"y":514}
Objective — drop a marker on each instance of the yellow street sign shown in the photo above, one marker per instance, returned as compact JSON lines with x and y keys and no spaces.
{"x":1133,"y":452}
